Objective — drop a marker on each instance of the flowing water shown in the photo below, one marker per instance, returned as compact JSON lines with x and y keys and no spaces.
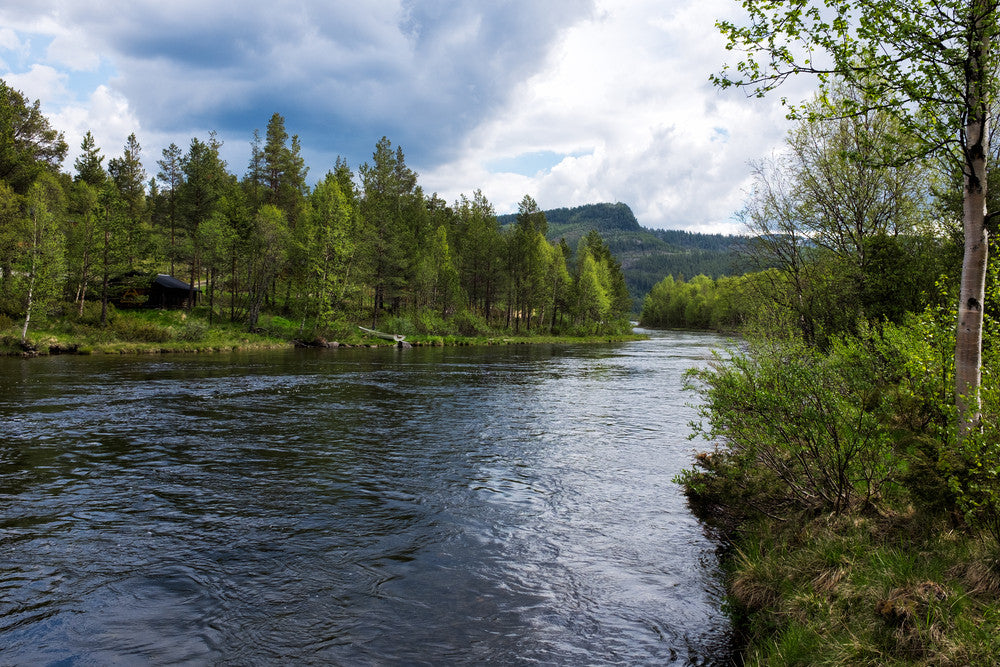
{"x":495,"y":505}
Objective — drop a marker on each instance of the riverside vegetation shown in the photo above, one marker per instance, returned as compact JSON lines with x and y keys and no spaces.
{"x":860,"y":511}
{"x":274,"y":258}
{"x":856,"y":469}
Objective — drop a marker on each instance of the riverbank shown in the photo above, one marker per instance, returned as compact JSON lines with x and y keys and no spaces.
{"x":856,"y":589}
{"x":860,"y":530}
{"x":178,"y":331}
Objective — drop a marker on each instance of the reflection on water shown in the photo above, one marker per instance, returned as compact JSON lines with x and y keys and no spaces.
{"x":424,"y":506}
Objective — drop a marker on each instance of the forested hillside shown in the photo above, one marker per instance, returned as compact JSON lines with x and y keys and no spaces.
{"x":647,"y":255}
{"x":356,"y":247}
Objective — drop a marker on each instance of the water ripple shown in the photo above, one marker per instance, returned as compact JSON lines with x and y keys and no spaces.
{"x":428,"y":506}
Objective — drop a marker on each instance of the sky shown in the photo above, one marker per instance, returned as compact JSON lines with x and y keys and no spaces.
{"x":569,"y":101}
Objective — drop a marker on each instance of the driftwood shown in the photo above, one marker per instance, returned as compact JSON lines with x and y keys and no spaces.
{"x":398,"y":338}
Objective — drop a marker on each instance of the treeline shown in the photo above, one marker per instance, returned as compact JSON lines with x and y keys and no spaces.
{"x":701,"y":303}
{"x":353,"y":248}
{"x":647,"y":255}
{"x":821,"y":291}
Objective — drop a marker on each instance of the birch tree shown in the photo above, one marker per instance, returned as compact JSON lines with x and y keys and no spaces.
{"x":928,"y":64}
{"x":43,"y":260}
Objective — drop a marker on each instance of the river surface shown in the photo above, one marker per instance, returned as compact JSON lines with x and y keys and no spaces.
{"x":495,"y":505}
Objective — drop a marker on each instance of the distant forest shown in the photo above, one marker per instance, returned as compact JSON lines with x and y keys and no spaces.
{"x":647,"y":255}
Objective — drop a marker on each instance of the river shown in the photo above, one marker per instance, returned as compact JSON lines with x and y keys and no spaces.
{"x":492,"y":505}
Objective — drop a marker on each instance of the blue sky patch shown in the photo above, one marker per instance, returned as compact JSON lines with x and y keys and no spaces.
{"x":529,"y":164}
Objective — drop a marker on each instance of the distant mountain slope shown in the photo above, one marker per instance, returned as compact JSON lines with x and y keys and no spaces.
{"x":647,"y":255}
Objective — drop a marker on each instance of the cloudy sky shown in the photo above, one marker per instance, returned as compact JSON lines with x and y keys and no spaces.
{"x":570,"y":101}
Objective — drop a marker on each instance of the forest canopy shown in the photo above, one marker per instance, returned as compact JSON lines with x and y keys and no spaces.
{"x":366,"y":247}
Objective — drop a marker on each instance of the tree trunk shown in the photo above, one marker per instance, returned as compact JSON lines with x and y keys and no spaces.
{"x":211,"y":296}
{"x":969,"y":334}
{"x":31,"y":280}
{"x":104,"y":282}
{"x":232,"y":291}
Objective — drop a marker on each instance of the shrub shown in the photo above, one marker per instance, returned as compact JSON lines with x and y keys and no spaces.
{"x":802,"y":429}
{"x":92,"y":313}
{"x":397,"y":325}
{"x":468,"y":323}
{"x":193,"y":331}
{"x":141,"y":332}
{"x":429,"y":322}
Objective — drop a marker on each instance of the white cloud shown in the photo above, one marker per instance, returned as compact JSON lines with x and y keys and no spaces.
{"x":629,"y":89}
{"x":9,"y":41}
{"x":107,"y":115}
{"x":74,"y":51}
{"x":41,"y":82}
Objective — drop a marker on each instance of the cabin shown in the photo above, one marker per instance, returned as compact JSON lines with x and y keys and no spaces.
{"x":168,"y":292}
{"x":138,"y":290}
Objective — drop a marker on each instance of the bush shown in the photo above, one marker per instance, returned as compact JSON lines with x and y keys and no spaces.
{"x":141,"y":332}
{"x":193,"y":331}
{"x":807,"y":430}
{"x":468,"y":323}
{"x":397,"y":325}
{"x":92,"y":313}
{"x":429,"y":322}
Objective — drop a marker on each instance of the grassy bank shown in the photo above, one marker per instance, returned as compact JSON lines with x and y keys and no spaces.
{"x":861,"y":529}
{"x":168,"y":331}
{"x":855,"y":589}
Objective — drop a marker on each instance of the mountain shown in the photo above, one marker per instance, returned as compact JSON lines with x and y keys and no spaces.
{"x":647,"y":255}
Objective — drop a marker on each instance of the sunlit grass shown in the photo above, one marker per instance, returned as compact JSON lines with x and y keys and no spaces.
{"x":151,"y":331}
{"x":861,"y":591}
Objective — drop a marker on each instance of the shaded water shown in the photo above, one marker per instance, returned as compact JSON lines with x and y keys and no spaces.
{"x":428,"y":506}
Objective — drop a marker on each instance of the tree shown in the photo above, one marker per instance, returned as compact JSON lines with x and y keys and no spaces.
{"x":205,"y":182}
{"x":267,"y":253}
{"x":823,"y":212}
{"x":28,"y":144}
{"x":44,"y":259}
{"x":331,"y":249}
{"x":81,"y":236}
{"x":110,"y":258}
{"x":593,"y":302}
{"x":215,"y":238}
{"x":557,"y":279}
{"x":283,"y":170}
{"x":390,"y":204}
{"x":931,"y":67}
{"x":444,"y":286}
{"x":478,"y":246}
{"x":620,"y":300}
{"x":129,"y":177}
{"x":526,"y":261}
{"x":172,"y":175}
{"x":88,"y":164}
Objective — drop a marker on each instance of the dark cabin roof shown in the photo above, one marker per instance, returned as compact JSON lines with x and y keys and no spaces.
{"x":169,"y":282}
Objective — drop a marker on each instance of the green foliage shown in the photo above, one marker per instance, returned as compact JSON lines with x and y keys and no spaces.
{"x":809,"y":430}
{"x":90,"y":314}
{"x":701,"y":303}
{"x":133,"y":330}
{"x":646,"y":255}
{"x":468,"y":323}
{"x":270,"y":245}
{"x":975,"y":468}
{"x":29,"y":146}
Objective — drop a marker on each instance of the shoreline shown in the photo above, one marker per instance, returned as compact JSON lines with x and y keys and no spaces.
{"x":46,"y":344}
